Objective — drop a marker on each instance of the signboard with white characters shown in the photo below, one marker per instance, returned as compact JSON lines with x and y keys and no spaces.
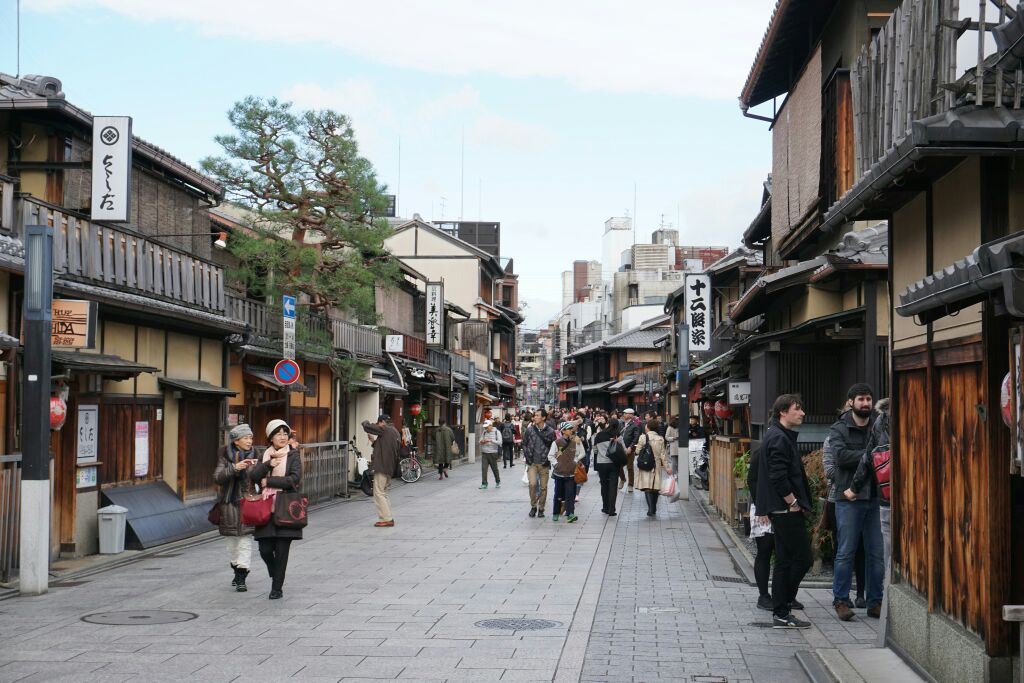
{"x":698,"y":311}
{"x":435,"y":314}
{"x":288,"y":326}
{"x":111,"y":168}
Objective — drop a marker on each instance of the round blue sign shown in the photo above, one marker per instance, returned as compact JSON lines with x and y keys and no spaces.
{"x":286,"y":372}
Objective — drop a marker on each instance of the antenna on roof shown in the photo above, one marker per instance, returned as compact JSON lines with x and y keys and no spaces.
{"x":17,"y":14}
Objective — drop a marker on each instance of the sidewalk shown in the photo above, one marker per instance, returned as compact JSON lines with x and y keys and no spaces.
{"x":408,"y":603}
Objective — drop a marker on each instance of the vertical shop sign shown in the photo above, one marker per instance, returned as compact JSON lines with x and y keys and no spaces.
{"x":698,"y":311}
{"x":111,"y":168}
{"x":141,"y":449}
{"x":435,"y":314}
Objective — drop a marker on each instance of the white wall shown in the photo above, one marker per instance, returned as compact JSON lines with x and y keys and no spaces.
{"x":618,"y":237}
{"x":634,"y":316}
{"x":461,"y":275}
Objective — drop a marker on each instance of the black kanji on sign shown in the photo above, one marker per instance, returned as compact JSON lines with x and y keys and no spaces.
{"x":698,"y":287}
{"x":697,"y":319}
{"x":698,"y":337}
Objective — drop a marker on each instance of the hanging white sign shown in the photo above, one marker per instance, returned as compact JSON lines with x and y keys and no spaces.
{"x":698,"y":311}
{"x":88,"y":433}
{"x":435,"y":314}
{"x":111,"y":168}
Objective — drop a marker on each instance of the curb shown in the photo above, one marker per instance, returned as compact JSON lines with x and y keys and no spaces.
{"x":813,"y":667}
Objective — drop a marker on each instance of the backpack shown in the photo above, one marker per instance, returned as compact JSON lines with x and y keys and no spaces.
{"x":881,"y":459}
{"x":645,"y":461}
{"x":508,"y":432}
{"x":617,"y":453}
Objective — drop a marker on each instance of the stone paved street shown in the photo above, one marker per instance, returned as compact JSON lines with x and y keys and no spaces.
{"x":633,"y":599}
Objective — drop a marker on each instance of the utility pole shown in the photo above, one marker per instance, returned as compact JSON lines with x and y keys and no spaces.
{"x":683,"y":385}
{"x":471,"y":438}
{"x":35,"y":426}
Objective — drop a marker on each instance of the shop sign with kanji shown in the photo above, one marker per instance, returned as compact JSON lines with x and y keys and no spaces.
{"x":435,"y":314}
{"x":698,"y":311}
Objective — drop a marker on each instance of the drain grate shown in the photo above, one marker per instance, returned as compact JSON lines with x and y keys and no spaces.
{"x":139,"y":617}
{"x":518,"y":624}
{"x":710,"y":679}
{"x":728,"y":579}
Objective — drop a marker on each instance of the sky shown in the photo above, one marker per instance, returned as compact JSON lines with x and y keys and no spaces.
{"x":545,"y":116}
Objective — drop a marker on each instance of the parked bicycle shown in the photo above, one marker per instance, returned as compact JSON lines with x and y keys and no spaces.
{"x":411,"y":468}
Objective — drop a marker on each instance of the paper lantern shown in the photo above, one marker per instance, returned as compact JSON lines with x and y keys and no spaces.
{"x":415,"y":409}
{"x":1004,"y":401}
{"x":58,"y":412}
{"x":709,"y":408}
{"x":722,"y":410}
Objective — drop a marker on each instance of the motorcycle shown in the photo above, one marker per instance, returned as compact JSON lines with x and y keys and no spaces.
{"x":364,"y":473}
{"x":699,"y":466}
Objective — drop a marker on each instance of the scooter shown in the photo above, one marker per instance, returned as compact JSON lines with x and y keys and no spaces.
{"x":364,"y":473}
{"x":699,"y":466}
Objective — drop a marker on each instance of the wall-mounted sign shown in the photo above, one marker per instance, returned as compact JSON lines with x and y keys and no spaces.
{"x":739,"y":393}
{"x":457,"y":397}
{"x":394,"y":343}
{"x":435,"y":314}
{"x":288,"y":326}
{"x":141,"y":449}
{"x":85,"y":477}
{"x":88,"y":434}
{"x":698,"y":311}
{"x":111,"y":168}
{"x":74,"y":324}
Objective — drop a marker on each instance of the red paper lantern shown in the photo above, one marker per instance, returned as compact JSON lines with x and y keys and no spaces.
{"x":709,"y":408}
{"x":58,"y":412}
{"x":1004,"y":401}
{"x":415,"y":409}
{"x":487,"y":414}
{"x":722,"y":410}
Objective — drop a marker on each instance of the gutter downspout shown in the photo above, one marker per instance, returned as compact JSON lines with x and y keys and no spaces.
{"x":744,"y":108}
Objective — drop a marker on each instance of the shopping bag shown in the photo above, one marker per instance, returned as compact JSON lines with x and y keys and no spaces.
{"x":581,"y":473}
{"x":669,"y":486}
{"x":526,"y":476}
{"x":290,"y":509}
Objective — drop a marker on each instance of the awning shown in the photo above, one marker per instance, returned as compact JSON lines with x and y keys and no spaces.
{"x":464,"y":379}
{"x":388,"y":387}
{"x":623,"y":385}
{"x":712,"y":365}
{"x":8,"y":342}
{"x":363,"y":385}
{"x":104,"y":364}
{"x":484,"y":396}
{"x":993,"y":268}
{"x":439,"y":397}
{"x":195,"y":386}
{"x":596,"y":387}
{"x":411,"y":364}
{"x":266,"y":378}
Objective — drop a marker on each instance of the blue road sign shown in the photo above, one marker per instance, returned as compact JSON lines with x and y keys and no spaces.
{"x":286,"y":371}
{"x":288,"y":306}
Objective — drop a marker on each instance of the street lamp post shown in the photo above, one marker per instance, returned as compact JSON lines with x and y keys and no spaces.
{"x":35,"y":426}
{"x":683,"y":385}
{"x":471,"y":438}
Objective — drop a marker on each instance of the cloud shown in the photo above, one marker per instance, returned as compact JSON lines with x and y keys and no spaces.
{"x":465,"y":98}
{"x":719,"y":212}
{"x":497,"y":131}
{"x":645,"y":46}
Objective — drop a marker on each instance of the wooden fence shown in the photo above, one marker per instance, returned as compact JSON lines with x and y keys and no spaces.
{"x":357,"y":339}
{"x":325,"y":470}
{"x":724,"y":491}
{"x":10,"y":513}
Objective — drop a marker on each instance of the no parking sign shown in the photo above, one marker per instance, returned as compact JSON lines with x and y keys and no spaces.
{"x":286,"y":372}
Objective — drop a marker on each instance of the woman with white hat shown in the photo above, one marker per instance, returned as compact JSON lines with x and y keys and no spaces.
{"x":233,"y":463}
{"x":279,"y":470}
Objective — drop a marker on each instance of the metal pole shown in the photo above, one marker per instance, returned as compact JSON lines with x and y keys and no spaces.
{"x":683,"y":384}
{"x":35,"y":428}
{"x":471,"y":438}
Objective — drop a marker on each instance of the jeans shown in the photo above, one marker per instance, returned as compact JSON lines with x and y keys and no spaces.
{"x":565,"y":494}
{"x":274,"y":552}
{"x":856,"y":519}
{"x":792,"y":559}
{"x":489,"y":460}
{"x":539,"y":486}
{"x":858,"y":558}
{"x":506,"y":454}
{"x":884,"y":515}
{"x":763,"y":562}
{"x":609,"y":475}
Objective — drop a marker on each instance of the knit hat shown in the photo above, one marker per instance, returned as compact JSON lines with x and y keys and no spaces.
{"x":566,"y":425}
{"x":274,"y":425}
{"x":240,"y":432}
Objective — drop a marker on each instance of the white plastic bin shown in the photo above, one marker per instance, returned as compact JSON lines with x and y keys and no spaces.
{"x":112,"y":523}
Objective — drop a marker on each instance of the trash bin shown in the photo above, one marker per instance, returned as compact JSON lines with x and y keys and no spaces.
{"x":112,"y":523}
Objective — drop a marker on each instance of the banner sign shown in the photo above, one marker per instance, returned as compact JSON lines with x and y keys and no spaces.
{"x":111,"y":168}
{"x":435,"y":314}
{"x":288,"y":326}
{"x":88,"y":434}
{"x":698,"y":311}
{"x":73,"y":324}
{"x":141,"y":449}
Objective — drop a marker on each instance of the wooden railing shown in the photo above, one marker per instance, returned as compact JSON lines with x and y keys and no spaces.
{"x":415,"y":348}
{"x":123,"y":260}
{"x":10,"y":513}
{"x":438,"y":359}
{"x":325,"y":470}
{"x":358,"y":339}
{"x":6,"y":203}
{"x":255,"y":315}
{"x":900,"y":76}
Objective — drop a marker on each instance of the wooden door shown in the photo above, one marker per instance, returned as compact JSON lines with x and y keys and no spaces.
{"x":197,"y":443}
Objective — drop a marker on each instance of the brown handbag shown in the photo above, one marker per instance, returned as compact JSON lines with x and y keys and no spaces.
{"x":581,"y":473}
{"x":290,"y":509}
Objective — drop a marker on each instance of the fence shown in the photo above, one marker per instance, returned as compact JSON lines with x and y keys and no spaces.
{"x":10,"y":517}
{"x":725,"y":488}
{"x":324,"y":470}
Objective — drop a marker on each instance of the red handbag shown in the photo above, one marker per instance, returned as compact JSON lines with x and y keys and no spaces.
{"x":881,"y":458}
{"x":256,"y":510}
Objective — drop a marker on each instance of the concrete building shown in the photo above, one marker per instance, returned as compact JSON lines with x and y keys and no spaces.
{"x":617,"y":238}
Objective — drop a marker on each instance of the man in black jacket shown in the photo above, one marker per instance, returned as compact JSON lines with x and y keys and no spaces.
{"x":630,"y":435}
{"x":784,"y":496}
{"x":857,"y":512}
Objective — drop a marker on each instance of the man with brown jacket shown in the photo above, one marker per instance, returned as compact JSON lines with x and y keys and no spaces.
{"x":384,"y":461}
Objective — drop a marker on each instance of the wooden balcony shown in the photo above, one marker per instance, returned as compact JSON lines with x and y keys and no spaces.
{"x":414,"y":348}
{"x":123,"y":260}
{"x":358,"y":339}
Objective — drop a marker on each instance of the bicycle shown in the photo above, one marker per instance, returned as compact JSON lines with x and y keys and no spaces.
{"x":410,"y":467}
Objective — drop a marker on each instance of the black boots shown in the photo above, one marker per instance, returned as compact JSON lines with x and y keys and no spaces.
{"x":652,"y":502}
{"x":234,"y":581}
{"x":239,"y":581}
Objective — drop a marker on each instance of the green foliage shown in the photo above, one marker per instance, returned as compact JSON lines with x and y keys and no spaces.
{"x":822,"y":540}
{"x":312,"y":198}
{"x":741,"y":467}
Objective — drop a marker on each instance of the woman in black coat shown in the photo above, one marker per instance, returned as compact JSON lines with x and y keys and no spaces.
{"x":279,"y":470}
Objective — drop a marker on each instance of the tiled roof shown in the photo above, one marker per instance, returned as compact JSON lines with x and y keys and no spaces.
{"x":638,"y":338}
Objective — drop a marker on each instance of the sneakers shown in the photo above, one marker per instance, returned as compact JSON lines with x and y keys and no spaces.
{"x":577,"y":500}
{"x":540,"y":513}
{"x":483,"y":486}
{"x":631,"y":489}
{"x":234,"y":581}
{"x":843,"y":611}
{"x":765,"y":602}
{"x":860,"y":602}
{"x":554,"y":518}
{"x":789,"y":621}
{"x":875,"y":611}
{"x":622,"y":482}
{"x":796,"y":604}
{"x":571,"y":518}
{"x":497,"y":485}
{"x":533,"y":512}
{"x":240,"y":584}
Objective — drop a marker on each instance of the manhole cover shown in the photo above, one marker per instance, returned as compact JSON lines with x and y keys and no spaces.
{"x":139,"y":617}
{"x":518,"y":624}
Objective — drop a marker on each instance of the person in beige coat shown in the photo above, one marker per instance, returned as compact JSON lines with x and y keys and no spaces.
{"x":649,"y":481}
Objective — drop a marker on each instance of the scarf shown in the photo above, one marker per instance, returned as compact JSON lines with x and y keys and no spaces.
{"x":278,"y":471}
